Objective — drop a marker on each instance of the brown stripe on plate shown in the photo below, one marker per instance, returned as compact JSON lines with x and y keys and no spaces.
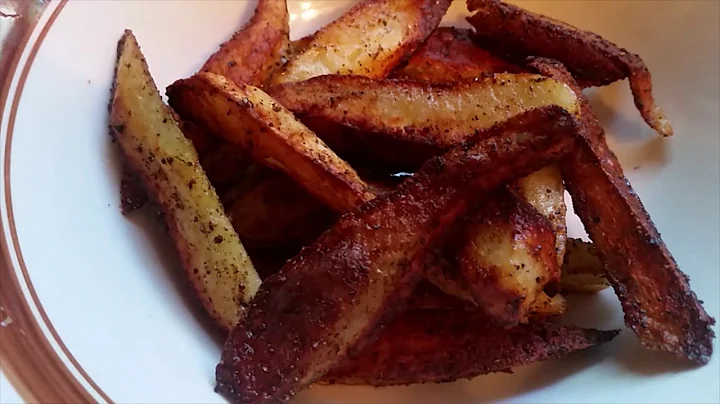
{"x":27,"y":358}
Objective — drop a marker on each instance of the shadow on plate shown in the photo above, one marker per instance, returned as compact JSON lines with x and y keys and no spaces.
{"x":162,"y":248}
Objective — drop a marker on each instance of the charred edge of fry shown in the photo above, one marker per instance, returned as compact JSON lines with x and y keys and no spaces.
{"x":326,"y":301}
{"x":659,"y":305}
{"x":425,"y":346}
{"x":515,"y":33}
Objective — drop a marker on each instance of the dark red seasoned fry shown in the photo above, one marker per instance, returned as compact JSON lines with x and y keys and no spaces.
{"x":399,"y":124}
{"x":254,"y":51}
{"x":434,"y":346}
{"x":655,"y":294}
{"x":515,"y":33}
{"x":450,"y":55}
{"x":336,"y":291}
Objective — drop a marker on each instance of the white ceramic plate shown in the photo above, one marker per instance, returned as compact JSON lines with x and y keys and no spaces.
{"x":105,"y":313}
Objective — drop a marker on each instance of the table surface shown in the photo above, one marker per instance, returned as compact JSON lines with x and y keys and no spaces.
{"x":17,"y":19}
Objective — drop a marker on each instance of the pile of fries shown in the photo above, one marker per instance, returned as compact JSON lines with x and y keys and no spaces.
{"x":382,"y":202}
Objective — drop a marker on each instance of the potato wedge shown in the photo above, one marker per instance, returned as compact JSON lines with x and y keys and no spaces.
{"x":276,"y":212}
{"x":333,"y":294}
{"x":436,"y":346}
{"x":247,"y":116}
{"x":544,"y":190}
{"x":449,"y":55}
{"x":369,"y":40}
{"x":507,"y":257}
{"x":149,"y":135}
{"x":655,"y":294}
{"x":256,"y":50}
{"x":515,"y":33}
{"x":400,"y":124}
{"x":582,"y":271}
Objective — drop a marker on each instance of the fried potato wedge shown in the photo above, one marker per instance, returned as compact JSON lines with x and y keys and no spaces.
{"x":515,"y":33}
{"x":436,"y":346}
{"x":545,"y":191}
{"x":656,"y":297}
{"x":582,"y":271}
{"x":149,"y":135}
{"x":450,"y":55}
{"x":369,"y":40}
{"x":247,"y":116}
{"x":256,"y":50}
{"x":277,"y":212}
{"x":402,"y":123}
{"x":332,"y":296}
{"x":507,"y":257}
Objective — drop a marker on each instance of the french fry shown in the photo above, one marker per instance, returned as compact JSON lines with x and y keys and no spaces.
{"x":655,"y":294}
{"x":400,"y":124}
{"x":369,"y":40}
{"x":149,"y":135}
{"x":248,"y":117}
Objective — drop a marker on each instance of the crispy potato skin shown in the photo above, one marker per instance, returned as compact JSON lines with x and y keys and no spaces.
{"x":436,"y":346}
{"x":450,"y":55}
{"x":508,"y":257}
{"x":278,"y":212}
{"x":248,"y":117}
{"x":254,"y":51}
{"x":582,"y":271}
{"x":655,"y":294}
{"x":332,"y":295}
{"x":369,"y":40}
{"x":401,"y":123}
{"x":149,"y":135}
{"x":515,"y":33}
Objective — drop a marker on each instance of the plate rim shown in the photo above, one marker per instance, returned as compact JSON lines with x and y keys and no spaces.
{"x":28,"y":356}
